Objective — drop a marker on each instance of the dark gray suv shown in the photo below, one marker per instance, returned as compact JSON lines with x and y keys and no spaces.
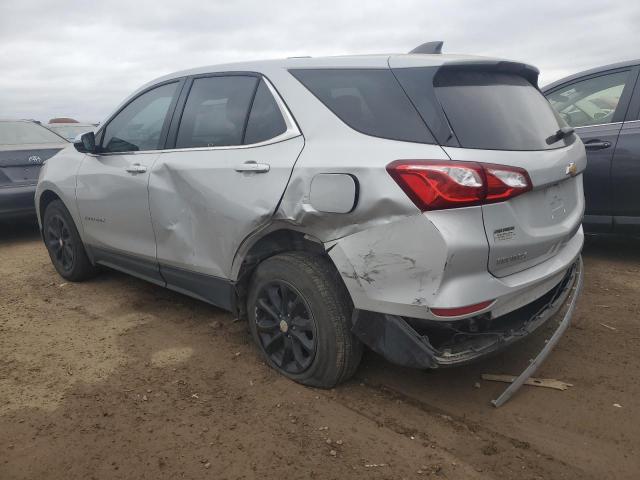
{"x":603,"y":105}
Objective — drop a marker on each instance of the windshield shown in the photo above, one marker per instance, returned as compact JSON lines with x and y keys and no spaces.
{"x":25,"y":133}
{"x":70,"y":132}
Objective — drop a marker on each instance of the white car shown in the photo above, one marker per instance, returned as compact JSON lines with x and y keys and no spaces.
{"x":428,"y":206}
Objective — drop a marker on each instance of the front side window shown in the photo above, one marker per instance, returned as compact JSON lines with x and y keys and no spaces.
{"x":216,"y":111}
{"x":139,"y":125}
{"x":590,"y":102}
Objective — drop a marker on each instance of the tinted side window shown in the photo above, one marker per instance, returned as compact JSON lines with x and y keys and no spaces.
{"x":139,"y":125}
{"x":216,"y":111}
{"x":265,"y":119}
{"x":370,"y":101}
{"x":589,"y":102}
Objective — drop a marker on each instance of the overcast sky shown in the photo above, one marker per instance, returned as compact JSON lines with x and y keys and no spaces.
{"x":81,"y":58}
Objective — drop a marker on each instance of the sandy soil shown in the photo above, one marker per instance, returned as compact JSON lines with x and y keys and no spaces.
{"x":117,"y":378}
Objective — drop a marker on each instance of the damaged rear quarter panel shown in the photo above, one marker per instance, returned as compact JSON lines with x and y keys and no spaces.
{"x":380,"y":200}
{"x":407,"y":266}
{"x":394,"y":266}
{"x":333,"y":147}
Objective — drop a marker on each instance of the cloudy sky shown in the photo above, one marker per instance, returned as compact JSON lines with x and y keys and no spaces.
{"x":81,"y":58}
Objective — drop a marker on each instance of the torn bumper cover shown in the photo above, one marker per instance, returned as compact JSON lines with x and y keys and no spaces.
{"x":433,"y":344}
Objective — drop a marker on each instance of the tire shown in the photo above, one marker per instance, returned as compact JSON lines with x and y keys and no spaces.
{"x":64,"y":244}
{"x":313,"y":323}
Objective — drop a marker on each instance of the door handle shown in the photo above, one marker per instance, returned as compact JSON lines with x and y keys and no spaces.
{"x":136,"y":168}
{"x":597,"y":145}
{"x":252,"y":166}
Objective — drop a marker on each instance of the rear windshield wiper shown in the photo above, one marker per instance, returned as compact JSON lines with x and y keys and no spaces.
{"x":564,"y":132}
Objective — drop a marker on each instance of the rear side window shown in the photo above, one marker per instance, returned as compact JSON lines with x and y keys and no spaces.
{"x":497,"y":111}
{"x":265,"y":120}
{"x":368,"y":100}
{"x":216,"y":111}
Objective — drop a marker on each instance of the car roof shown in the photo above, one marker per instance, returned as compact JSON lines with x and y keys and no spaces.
{"x":591,"y":71}
{"x":268,"y":67}
{"x":342,"y":61}
{"x":70,"y":124}
{"x":24,"y":120}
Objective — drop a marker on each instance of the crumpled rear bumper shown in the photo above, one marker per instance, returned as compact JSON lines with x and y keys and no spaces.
{"x":441,"y":344}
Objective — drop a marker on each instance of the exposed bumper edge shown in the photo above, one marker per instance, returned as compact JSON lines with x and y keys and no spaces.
{"x":549,"y":344}
{"x":393,"y":338}
{"x":399,"y":342}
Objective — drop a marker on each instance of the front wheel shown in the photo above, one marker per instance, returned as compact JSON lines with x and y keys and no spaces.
{"x":64,"y":244}
{"x":299,"y":315}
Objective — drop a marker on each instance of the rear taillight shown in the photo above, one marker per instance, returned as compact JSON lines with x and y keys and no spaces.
{"x":437,"y":185}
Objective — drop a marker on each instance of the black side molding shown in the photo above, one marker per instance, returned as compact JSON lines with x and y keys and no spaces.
{"x":132,"y":265}
{"x":214,"y":290}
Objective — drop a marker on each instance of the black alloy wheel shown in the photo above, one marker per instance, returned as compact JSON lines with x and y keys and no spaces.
{"x":285,"y":326}
{"x":60,"y":242}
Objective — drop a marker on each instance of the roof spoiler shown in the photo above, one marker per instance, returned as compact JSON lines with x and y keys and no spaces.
{"x":429,"y":48}
{"x":528,"y":72}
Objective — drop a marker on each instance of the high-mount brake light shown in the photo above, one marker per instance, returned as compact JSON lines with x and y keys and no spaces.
{"x":442,"y":184}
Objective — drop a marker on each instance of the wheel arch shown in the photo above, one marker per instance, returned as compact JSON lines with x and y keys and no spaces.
{"x":276,"y":240}
{"x":49,"y":193}
{"x":46,"y":197}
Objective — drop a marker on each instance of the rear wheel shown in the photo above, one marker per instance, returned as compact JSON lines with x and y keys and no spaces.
{"x":64,"y":245}
{"x":299,"y":315}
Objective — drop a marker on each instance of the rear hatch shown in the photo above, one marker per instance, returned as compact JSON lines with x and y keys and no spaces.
{"x":20,"y":165}
{"x":492,"y":112}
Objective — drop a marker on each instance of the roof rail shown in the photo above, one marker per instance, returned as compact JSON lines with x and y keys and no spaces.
{"x":429,"y":47}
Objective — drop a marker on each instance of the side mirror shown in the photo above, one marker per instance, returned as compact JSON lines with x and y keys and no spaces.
{"x":85,"y":143}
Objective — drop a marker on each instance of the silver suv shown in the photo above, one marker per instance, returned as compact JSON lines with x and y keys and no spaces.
{"x":427,"y":206}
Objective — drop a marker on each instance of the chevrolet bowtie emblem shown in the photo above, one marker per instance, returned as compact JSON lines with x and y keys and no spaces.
{"x":571,"y":169}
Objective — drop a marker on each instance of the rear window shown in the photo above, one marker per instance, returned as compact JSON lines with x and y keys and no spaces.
{"x":25,"y":133}
{"x":497,"y":111}
{"x":368,"y":100}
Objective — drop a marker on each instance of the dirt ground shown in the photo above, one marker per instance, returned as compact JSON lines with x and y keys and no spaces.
{"x":117,"y":378}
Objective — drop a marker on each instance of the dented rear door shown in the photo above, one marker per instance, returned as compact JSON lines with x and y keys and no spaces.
{"x":224,"y":178}
{"x":202,"y":208}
